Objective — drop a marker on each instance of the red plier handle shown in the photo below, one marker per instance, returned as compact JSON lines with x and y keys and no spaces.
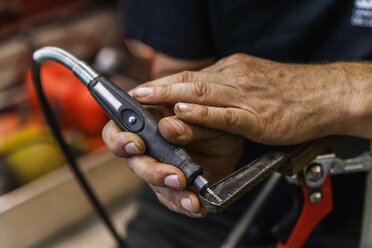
{"x":311,"y":215}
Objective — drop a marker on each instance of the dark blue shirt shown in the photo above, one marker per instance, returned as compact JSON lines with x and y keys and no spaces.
{"x":281,"y":30}
{"x":302,"y":31}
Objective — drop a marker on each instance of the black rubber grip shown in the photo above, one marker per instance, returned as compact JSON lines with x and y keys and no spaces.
{"x":131,"y":116}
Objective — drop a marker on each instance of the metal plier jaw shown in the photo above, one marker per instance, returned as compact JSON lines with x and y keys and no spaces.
{"x":287,"y":160}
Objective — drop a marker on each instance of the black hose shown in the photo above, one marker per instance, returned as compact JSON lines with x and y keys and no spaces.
{"x":51,"y":120}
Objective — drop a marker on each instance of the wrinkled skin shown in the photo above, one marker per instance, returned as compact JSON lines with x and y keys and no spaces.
{"x":243,"y":96}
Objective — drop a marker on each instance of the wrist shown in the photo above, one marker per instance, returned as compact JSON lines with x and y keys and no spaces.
{"x":358,"y":100}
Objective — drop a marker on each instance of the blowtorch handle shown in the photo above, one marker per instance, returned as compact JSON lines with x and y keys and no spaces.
{"x":131,"y":116}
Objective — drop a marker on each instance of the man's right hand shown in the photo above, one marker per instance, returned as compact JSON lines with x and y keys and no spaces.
{"x":216,"y":151}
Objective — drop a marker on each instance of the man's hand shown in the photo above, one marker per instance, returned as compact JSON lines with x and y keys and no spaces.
{"x":268,"y":102}
{"x":216,"y":151}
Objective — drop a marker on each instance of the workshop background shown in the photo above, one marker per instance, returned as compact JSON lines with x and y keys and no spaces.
{"x":41,"y":204}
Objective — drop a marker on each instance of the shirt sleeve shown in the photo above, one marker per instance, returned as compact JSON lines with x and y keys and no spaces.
{"x":178,"y":28}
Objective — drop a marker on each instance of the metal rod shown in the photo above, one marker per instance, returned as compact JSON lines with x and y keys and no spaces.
{"x":366,"y":239}
{"x":248,"y":217}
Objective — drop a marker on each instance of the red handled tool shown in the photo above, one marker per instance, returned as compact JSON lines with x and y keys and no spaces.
{"x":316,"y":205}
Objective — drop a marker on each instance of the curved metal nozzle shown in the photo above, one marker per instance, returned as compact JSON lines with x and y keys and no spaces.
{"x":81,"y":70}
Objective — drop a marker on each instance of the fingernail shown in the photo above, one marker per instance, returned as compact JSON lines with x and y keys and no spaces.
{"x":186,"y":204}
{"x":143,"y":92}
{"x":198,"y":215}
{"x":172,"y":181}
{"x":183,"y":107}
{"x":178,"y":127}
{"x":131,"y":148}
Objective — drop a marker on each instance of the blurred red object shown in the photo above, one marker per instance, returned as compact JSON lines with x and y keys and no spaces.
{"x":72,"y":103}
{"x":17,"y":14}
{"x":29,"y":7}
{"x":9,"y":123}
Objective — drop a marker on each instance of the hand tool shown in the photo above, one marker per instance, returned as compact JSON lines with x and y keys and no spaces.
{"x":314,"y":182}
{"x":129,"y":115}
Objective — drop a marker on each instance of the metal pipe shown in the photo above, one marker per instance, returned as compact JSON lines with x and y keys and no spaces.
{"x":249,"y":216}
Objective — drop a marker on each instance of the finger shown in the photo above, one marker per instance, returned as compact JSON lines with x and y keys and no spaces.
{"x":122,"y":144}
{"x":207,"y":142}
{"x":173,"y":207}
{"x":178,"y":132}
{"x":156,"y":173}
{"x":217,"y":167}
{"x":196,"y":92}
{"x":160,"y":111}
{"x":215,"y":147}
{"x":231,"y":120}
{"x":180,"y":201}
{"x":182,"y":77}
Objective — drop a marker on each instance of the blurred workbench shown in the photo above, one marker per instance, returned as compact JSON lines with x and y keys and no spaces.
{"x":91,"y":233}
{"x":52,"y":211}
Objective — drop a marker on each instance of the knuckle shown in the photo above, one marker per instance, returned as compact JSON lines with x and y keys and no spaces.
{"x":133,"y":164}
{"x":137,"y":166}
{"x":185,"y":76}
{"x":149,"y":176}
{"x":115,"y":145}
{"x":263,"y":130}
{"x":108,"y":132}
{"x":130,"y":166}
{"x":201,"y":90}
{"x":204,"y":114}
{"x":231,"y":119}
{"x":236,"y":57}
{"x":118,"y":153}
{"x":243,"y":73}
{"x":223,"y":60}
{"x":165,"y":91}
{"x":158,"y":174}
